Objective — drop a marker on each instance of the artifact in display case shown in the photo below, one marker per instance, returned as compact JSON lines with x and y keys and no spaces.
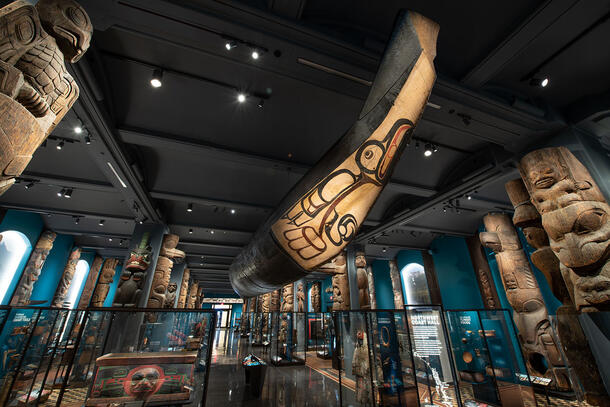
{"x":329,"y":344}
{"x":157,"y":378}
{"x":288,"y":338}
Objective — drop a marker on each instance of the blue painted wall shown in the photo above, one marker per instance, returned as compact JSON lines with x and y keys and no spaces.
{"x":113,"y":286}
{"x":383,"y":284}
{"x":88,"y":257}
{"x":31,"y":225}
{"x":325,"y":297}
{"x":455,"y":274}
{"x":237,"y":309}
{"x":53,"y":268}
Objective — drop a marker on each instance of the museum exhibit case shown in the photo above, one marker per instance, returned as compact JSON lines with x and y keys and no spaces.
{"x":490,"y":366}
{"x":376,"y":360}
{"x":288,"y":343}
{"x":97,"y":357}
{"x":260,"y":331}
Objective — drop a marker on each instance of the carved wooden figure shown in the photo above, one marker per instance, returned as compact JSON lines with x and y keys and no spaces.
{"x":340,"y":284}
{"x":66,"y":279}
{"x":523,"y":294}
{"x":36,"y":90}
{"x":266,"y":302}
{"x":94,"y":272}
{"x":300,"y":298}
{"x":364,"y":299}
{"x":275,"y":301}
{"x":184,"y":287}
{"x":396,"y":285}
{"x":170,"y":296}
{"x":163,"y":270}
{"x":483,"y":273}
{"x":200,"y":296}
{"x":369,"y":275}
{"x":325,"y":210}
{"x":32,"y":270}
{"x":129,"y":289}
{"x":576,"y":217}
{"x":288,"y":298}
{"x":316,"y":300}
{"x":192,"y":299}
{"x":103,"y":284}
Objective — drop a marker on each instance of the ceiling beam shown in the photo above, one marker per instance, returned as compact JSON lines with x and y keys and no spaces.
{"x":210,"y":245}
{"x":215,"y":229}
{"x":67,"y":182}
{"x":173,"y":196}
{"x":55,"y":211}
{"x":92,"y":234}
{"x":207,"y":256}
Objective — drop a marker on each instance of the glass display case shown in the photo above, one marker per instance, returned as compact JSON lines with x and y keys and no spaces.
{"x":432,"y":357}
{"x":260,"y":331}
{"x":315,"y":331}
{"x":376,"y":364}
{"x":288,"y":338}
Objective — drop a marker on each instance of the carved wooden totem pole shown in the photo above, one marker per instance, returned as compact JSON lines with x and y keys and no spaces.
{"x":316,"y":300}
{"x":30,"y":275}
{"x":364,"y":298}
{"x":300,"y":298}
{"x":288,"y":298}
{"x":371,"y":280}
{"x":66,"y":279}
{"x":94,"y":272}
{"x":184,"y":288}
{"x":571,"y":335}
{"x":275,"y":301}
{"x":192,"y":299}
{"x":200,"y":296}
{"x":483,"y":273}
{"x":36,"y":91}
{"x":266,"y":302}
{"x":576,"y":217}
{"x":170,"y":296}
{"x":340,"y":284}
{"x":129,"y":289}
{"x":163,"y":270}
{"x":325,"y":210}
{"x":103,"y":284}
{"x":396,"y":285}
{"x":523,"y":294}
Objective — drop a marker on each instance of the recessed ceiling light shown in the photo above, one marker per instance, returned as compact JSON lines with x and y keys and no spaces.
{"x":110,"y":239}
{"x":211,"y":231}
{"x":156,"y":80}
{"x":60,"y":145}
{"x":78,"y":129}
{"x":255,"y":54}
{"x":189,"y":208}
{"x":233,"y":211}
{"x":241,"y":98}
{"x":428,"y":150}
{"x":229,"y":45}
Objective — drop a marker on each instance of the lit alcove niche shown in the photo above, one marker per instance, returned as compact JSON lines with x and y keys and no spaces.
{"x":82,"y":268}
{"x":414,"y":284}
{"x":13,"y":246}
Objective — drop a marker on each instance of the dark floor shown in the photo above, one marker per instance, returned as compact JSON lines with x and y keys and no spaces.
{"x":284,"y":386}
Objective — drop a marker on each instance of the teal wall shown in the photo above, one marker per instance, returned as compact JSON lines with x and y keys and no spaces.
{"x":383,"y":284}
{"x":456,"y":279}
{"x":31,"y":225}
{"x":53,"y":268}
{"x":88,"y":257}
{"x":113,"y":286}
{"x":325,"y":303}
{"x":237,"y":308}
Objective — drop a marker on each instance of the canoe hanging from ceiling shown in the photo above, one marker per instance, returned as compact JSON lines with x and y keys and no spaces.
{"x":325,"y":209}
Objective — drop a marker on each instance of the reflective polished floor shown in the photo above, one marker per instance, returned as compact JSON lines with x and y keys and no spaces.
{"x":286,"y":386}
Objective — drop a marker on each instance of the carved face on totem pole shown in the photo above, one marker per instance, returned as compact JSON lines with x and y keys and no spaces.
{"x":140,"y":257}
{"x":266,"y":302}
{"x":275,"y":301}
{"x":575,"y":216}
{"x":69,"y":24}
{"x":288,"y":297}
{"x":315,"y":297}
{"x":34,"y":267}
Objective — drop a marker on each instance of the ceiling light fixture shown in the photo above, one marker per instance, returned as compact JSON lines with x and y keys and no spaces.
{"x":121,"y":242}
{"x":68,"y":193}
{"x":87,"y":140}
{"x":261,"y":103}
{"x":384,"y":250}
{"x":61,"y":192}
{"x":190,"y":231}
{"x":469,"y":197}
{"x":101,"y":222}
{"x":232,"y":211}
{"x":116,"y":174}
{"x":110,"y":239}
{"x":157,"y":76}
{"x":211,"y":232}
{"x":60,"y":145}
{"x":76,"y":220}
{"x":434,"y":148}
{"x":428,"y":150}
{"x":255,"y":54}
{"x":29,"y":185}
{"x":241,"y":98}
{"x":229,"y":45}
{"x":189,"y":208}
{"x":78,"y":129}
{"x":540,"y":81}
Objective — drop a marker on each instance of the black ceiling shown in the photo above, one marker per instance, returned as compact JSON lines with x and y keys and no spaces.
{"x":190,"y":141}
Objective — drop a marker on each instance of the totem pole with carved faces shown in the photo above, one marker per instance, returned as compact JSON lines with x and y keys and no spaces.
{"x":33,"y":268}
{"x":300,"y":297}
{"x":184,"y":289}
{"x":364,"y":299}
{"x":66,"y":279}
{"x":129,"y":289}
{"x":192,"y":298}
{"x":288,"y":298}
{"x":316,"y":303}
{"x":340,"y":284}
{"x":103,"y":285}
{"x":163,"y":270}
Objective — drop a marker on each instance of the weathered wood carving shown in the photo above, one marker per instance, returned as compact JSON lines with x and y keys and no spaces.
{"x":66,"y":279}
{"x":575,"y":216}
{"x":170,"y":296}
{"x":192,"y":299}
{"x":36,"y":90}
{"x":483,"y":273}
{"x":129,"y":289}
{"x":370,"y":278}
{"x":340,"y":284}
{"x":571,"y":335}
{"x":103,"y":284}
{"x":396,"y":285}
{"x":300,"y":298}
{"x":324,"y":211}
{"x":200,"y":296}
{"x":288,"y":298}
{"x":163,"y":270}
{"x":275,"y":301}
{"x":364,"y":299}
{"x":184,"y":287}
{"x":266,"y":302}
{"x":316,"y":300}
{"x":530,"y":315}
{"x":94,"y":273}
{"x":33,"y":268}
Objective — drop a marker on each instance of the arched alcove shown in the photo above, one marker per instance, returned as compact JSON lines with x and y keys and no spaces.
{"x":14,"y":246}
{"x":415,"y":284}
{"x":82,"y":268}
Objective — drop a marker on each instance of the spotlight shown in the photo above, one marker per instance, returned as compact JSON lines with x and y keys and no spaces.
{"x":68,"y":193}
{"x":540,"y":81}
{"x":428,"y":150}
{"x":76,"y":220}
{"x":87,"y":140}
{"x":61,"y":192}
{"x":155,"y":81}
{"x":29,"y":185}
{"x":384,"y":250}
{"x":261,"y":103}
{"x":121,"y":242}
{"x":110,"y":239}
{"x":60,"y":145}
{"x":469,"y":197}
{"x":189,"y":208}
{"x":255,"y":54}
{"x":232,"y":211}
{"x":444,"y":210}
{"x":241,"y":98}
{"x":78,"y":129}
{"x":101,"y":222}
{"x":144,"y":219}
{"x":190,"y":231}
{"x":434,"y":148}
{"x":229,"y":45}
{"x":211,"y":232}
